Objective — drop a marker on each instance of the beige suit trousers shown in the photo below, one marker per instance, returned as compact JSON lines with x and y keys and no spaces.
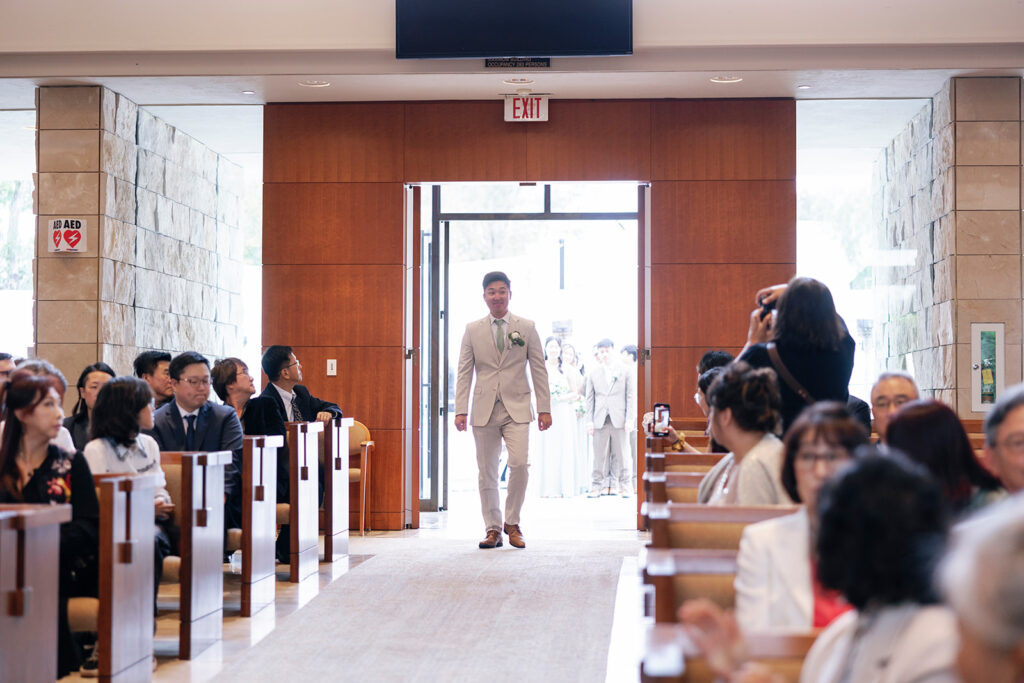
{"x":488,"y":449}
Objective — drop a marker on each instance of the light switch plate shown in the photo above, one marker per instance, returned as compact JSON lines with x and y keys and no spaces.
{"x":332,"y":367}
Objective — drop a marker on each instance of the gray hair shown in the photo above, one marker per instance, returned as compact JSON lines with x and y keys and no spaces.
{"x":983,"y":575}
{"x":896,"y":374}
{"x":1011,"y":399}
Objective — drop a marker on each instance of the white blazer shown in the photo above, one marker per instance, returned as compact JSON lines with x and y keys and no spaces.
{"x":897,"y":644}
{"x":501,"y":375}
{"x":773,"y":581}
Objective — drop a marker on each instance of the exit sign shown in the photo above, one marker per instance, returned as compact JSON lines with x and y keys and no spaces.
{"x":526,"y":108}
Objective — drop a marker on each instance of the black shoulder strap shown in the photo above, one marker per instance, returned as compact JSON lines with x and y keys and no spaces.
{"x":787,"y":376}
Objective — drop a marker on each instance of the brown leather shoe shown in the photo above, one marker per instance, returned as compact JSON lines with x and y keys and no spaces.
{"x":515,"y":536}
{"x":493,"y":539}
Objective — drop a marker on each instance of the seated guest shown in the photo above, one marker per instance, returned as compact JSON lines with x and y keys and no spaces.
{"x":285,"y":400}
{"x":930,"y":433}
{"x":744,"y":416}
{"x":6,"y":367}
{"x":192,"y":422}
{"x":33,"y":470}
{"x":776,"y":585}
{"x":891,"y":390}
{"x":123,"y":408}
{"x":1004,"y":439}
{"x":881,"y":533}
{"x":233,"y":384}
{"x":983,"y":579}
{"x":713,"y":359}
{"x":152,"y":366}
{"x":89,"y":382}
{"x":861,"y":410}
{"x":45,"y":369}
{"x":676,"y":441}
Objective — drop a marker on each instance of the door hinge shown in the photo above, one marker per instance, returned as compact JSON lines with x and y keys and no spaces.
{"x":644,"y":356}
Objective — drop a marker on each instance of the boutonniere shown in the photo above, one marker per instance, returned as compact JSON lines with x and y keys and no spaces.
{"x":516,"y":339}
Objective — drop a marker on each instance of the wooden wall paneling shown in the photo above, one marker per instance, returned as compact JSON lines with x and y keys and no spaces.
{"x":386,"y":480}
{"x":331,"y":305}
{"x":724,"y":140}
{"x":336,"y":223}
{"x":366,"y":386}
{"x":333,"y":142}
{"x":676,"y":380}
{"x":708,"y":305}
{"x":463,"y":141}
{"x":591,"y":140}
{"x":751,"y":221}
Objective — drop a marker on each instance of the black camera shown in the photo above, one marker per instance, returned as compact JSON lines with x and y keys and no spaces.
{"x":767,"y":308}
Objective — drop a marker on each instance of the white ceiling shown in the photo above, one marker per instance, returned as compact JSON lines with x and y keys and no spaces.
{"x":194,"y":52}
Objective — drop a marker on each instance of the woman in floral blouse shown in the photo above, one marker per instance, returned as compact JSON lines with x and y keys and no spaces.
{"x":32,"y":470}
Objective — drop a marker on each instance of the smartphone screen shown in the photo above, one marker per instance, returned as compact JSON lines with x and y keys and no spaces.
{"x":661,"y":419}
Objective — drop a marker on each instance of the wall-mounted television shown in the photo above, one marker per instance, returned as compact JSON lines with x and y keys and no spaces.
{"x":452,"y":29}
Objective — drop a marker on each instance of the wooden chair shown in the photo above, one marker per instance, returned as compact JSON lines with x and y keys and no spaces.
{"x":334,"y":512}
{"x":196,"y":484}
{"x":302,"y":513}
{"x":259,"y":521}
{"x":674,"y":487}
{"x":690,"y":525}
{"x":670,"y":657}
{"x":360,"y":444}
{"x":29,"y":548}
{"x":673,"y":461}
{"x":679,"y":575}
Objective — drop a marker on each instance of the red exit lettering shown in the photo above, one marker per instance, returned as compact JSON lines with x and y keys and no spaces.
{"x":525,"y":107}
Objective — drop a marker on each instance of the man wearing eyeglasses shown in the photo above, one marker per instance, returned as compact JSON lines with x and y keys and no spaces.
{"x":192,"y":422}
{"x":892,"y":389}
{"x":1004,"y":439}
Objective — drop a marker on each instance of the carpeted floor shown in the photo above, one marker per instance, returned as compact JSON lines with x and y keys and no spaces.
{"x":440,"y":610}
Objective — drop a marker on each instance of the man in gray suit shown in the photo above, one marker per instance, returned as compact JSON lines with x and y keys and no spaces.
{"x":610,"y":400}
{"x":497,"y":348}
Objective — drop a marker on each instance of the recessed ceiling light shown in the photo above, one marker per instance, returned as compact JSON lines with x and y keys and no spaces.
{"x":248,"y":92}
{"x":314,"y":84}
{"x":726,"y":79}
{"x":517,"y":81}
{"x":803,"y":87}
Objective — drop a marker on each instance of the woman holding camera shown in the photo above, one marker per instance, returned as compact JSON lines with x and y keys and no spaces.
{"x":804,"y":341}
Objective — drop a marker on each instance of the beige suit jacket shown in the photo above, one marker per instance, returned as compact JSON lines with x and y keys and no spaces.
{"x":501,"y":375}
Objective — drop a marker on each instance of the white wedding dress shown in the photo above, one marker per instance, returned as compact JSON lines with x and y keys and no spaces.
{"x":554,"y":452}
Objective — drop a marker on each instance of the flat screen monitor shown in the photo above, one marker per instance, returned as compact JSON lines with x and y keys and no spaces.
{"x":451,"y":29}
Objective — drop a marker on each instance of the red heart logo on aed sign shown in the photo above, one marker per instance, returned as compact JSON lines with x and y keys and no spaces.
{"x":56,"y":238}
{"x":72,"y":237}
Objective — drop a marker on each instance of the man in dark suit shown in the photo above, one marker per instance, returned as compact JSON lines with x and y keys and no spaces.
{"x":292,"y":403}
{"x":191,"y":422}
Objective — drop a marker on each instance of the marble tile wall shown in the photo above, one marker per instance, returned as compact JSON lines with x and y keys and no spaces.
{"x":163,"y":264}
{"x":949,"y":200}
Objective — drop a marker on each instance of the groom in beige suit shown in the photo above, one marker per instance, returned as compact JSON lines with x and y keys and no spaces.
{"x":497,"y":348}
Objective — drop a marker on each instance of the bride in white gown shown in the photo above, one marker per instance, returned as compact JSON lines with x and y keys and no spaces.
{"x":555,"y":454}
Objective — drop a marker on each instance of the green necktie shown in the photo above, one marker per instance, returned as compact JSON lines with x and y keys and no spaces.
{"x":501,"y":335}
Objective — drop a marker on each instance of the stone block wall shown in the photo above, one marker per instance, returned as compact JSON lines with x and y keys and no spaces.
{"x":163,"y":264}
{"x":951,"y":201}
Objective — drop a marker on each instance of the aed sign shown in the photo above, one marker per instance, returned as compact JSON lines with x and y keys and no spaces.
{"x":526,"y":108}
{"x":67,"y":234}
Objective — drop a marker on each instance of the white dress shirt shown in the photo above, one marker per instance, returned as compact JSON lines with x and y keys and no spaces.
{"x":286,"y":396}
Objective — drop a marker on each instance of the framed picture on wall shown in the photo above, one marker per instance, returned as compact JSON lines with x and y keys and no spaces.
{"x":988,"y":365}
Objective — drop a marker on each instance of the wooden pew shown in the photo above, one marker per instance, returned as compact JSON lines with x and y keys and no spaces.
{"x":29,"y":550}
{"x":125,"y":628}
{"x":303,"y":510}
{"x":669,"y":656}
{"x":334,"y":458}
{"x":259,"y":521}
{"x":677,"y":575}
{"x":196,"y":484}
{"x":675,"y":487}
{"x":690,"y":525}
{"x":681,"y":462}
